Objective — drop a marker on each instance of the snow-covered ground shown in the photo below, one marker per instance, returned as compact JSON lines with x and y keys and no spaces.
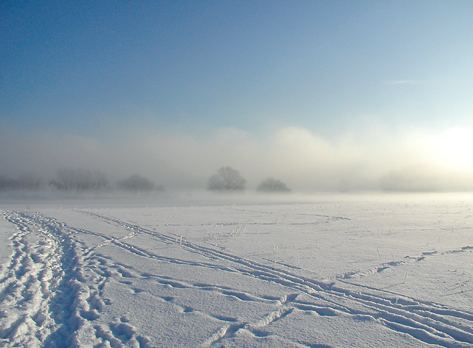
{"x":342,"y":271}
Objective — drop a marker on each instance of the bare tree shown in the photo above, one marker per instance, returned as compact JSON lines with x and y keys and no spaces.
{"x":226,"y":179}
{"x":273,"y":185}
{"x":136,"y":183}
{"x":28,"y":182}
{"x":23,"y":182}
{"x":79,"y":180}
{"x":6,"y":183}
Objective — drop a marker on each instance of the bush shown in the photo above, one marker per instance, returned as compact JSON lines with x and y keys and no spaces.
{"x":226,"y":179}
{"x":137,"y":183}
{"x":79,"y":180}
{"x":273,"y":185}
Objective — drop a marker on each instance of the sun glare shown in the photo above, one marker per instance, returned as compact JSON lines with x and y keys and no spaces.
{"x":454,"y":148}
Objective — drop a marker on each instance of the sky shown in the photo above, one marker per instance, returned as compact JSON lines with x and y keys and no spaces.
{"x":357,"y":78}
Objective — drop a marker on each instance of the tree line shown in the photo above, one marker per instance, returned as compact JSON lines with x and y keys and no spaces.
{"x":77,"y":180}
{"x":229,"y":179}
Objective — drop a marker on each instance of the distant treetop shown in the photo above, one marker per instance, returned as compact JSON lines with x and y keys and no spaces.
{"x":273,"y":185}
{"x":136,"y":183}
{"x":226,"y":179}
{"x":79,"y":180}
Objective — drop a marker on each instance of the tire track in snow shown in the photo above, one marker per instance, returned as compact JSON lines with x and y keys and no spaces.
{"x":425,"y":321}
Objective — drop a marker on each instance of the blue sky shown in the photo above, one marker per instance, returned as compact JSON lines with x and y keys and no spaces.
{"x":81,"y":66}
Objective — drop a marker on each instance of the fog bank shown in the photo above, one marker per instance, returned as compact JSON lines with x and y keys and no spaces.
{"x":374,"y":159}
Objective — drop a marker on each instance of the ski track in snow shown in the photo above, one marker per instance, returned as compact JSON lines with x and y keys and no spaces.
{"x":406,"y":260}
{"x":52,"y":291}
{"x":428,"y":322}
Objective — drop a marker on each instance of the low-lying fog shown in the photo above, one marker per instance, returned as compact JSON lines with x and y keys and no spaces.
{"x":375,"y":159}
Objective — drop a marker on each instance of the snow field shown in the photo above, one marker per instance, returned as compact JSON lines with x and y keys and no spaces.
{"x":349,"y":274}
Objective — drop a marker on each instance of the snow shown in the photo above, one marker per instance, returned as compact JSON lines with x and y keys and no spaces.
{"x":342,"y":271}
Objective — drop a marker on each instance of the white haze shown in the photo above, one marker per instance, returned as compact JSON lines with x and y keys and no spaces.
{"x":376,"y":159}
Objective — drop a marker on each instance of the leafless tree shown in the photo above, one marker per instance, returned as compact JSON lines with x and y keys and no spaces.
{"x":79,"y":180}
{"x":226,"y":179}
{"x":23,"y":182}
{"x":136,"y":183}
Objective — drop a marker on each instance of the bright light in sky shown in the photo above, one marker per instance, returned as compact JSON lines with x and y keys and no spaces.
{"x":454,"y":148}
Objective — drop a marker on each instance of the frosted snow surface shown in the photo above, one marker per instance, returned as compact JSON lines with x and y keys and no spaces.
{"x":341,"y":271}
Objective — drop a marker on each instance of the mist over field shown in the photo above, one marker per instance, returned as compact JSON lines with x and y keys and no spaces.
{"x":371,"y":159}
